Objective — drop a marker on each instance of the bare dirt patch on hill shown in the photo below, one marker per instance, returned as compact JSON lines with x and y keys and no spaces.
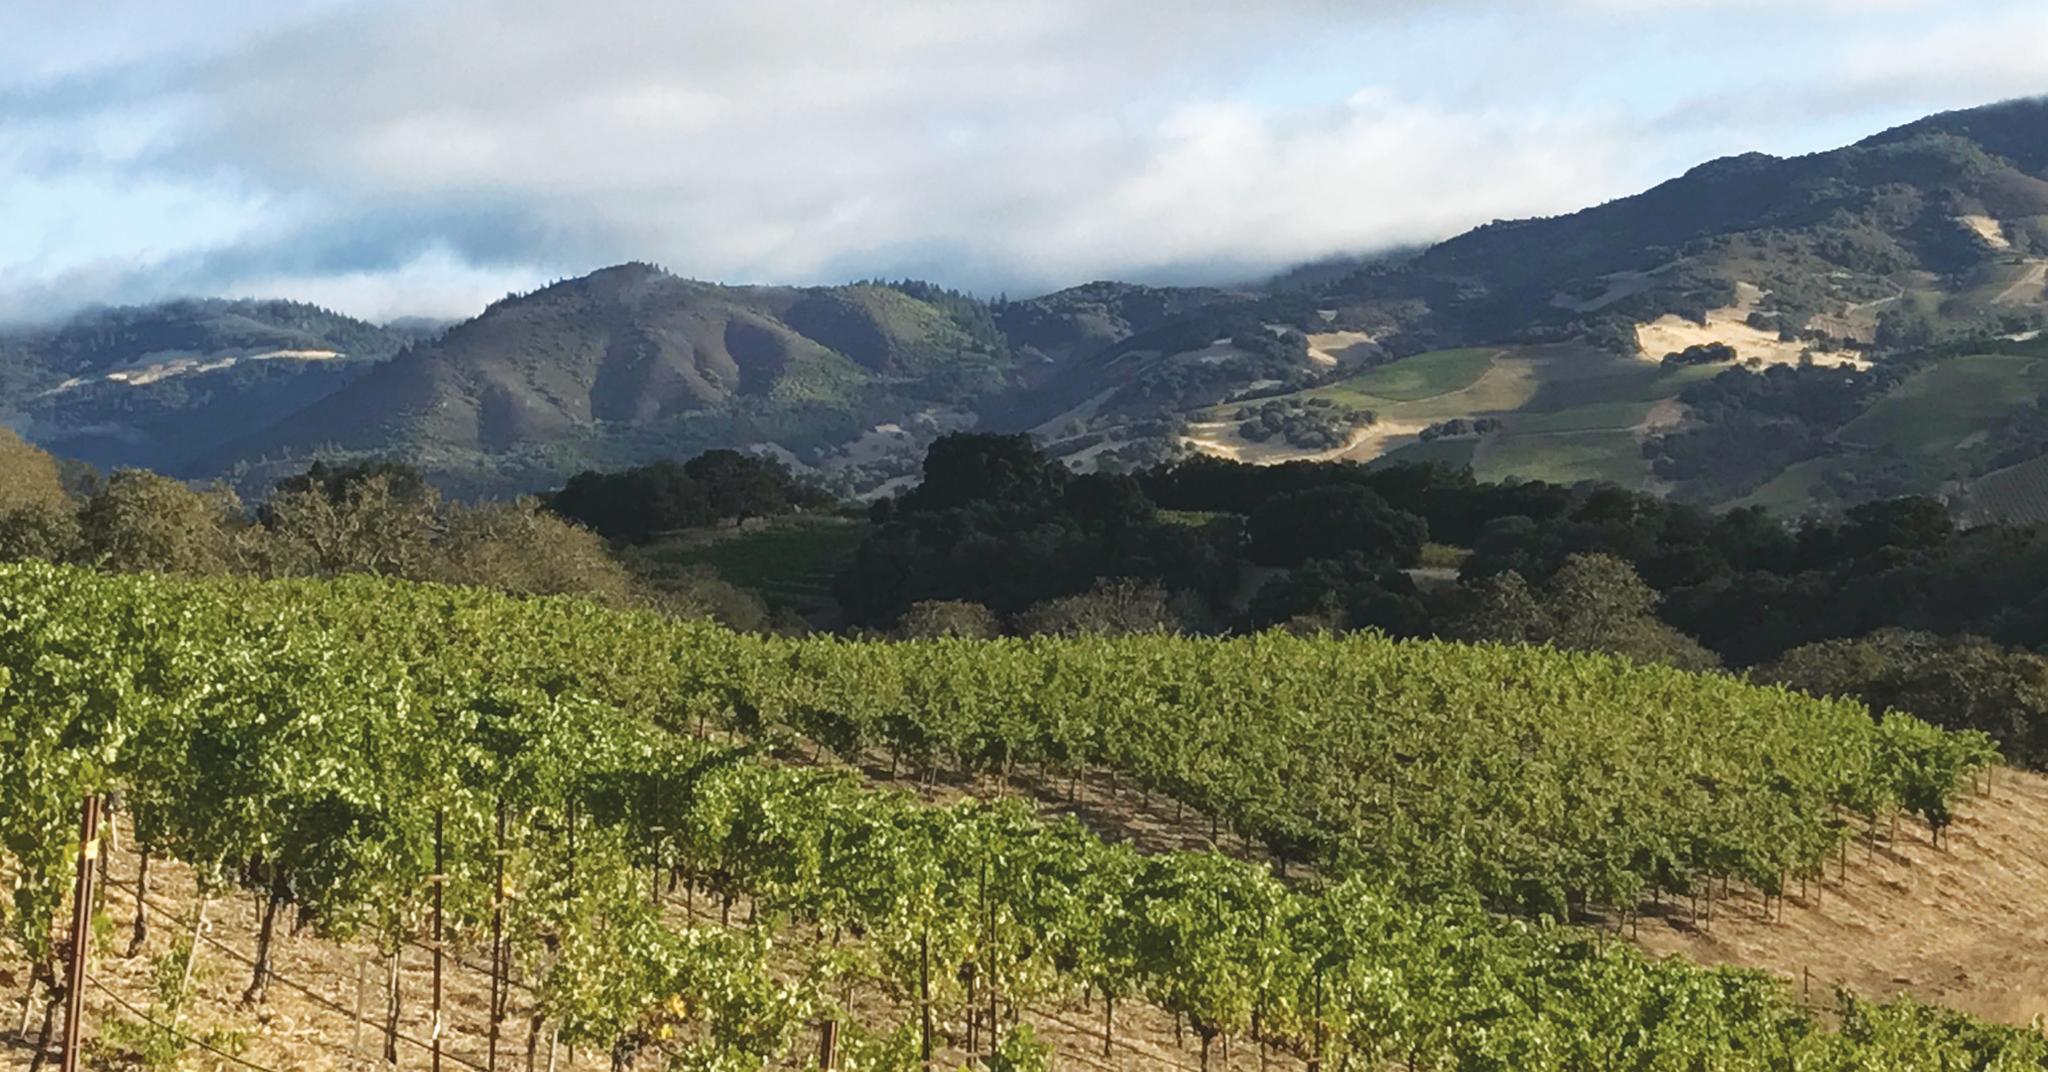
{"x":1328,"y":349}
{"x":1729,"y":326}
{"x":1988,"y":230}
{"x":1220,"y":439}
{"x":2027,"y":288}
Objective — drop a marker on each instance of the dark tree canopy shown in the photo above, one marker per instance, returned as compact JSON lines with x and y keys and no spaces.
{"x":999,"y":523}
{"x":1348,"y":592}
{"x":634,"y":505}
{"x":1964,"y":683}
{"x":1007,"y":470}
{"x":1113,"y":504}
{"x":740,"y":486}
{"x":1309,"y":545}
{"x":1334,"y":522}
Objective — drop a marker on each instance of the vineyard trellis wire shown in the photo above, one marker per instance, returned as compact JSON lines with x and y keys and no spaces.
{"x":70,"y":1048}
{"x":190,"y":1040}
{"x":205,"y":936}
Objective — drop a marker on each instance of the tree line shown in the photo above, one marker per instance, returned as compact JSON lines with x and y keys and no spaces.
{"x":1001,"y":537}
{"x":718,"y":486}
{"x":379,"y":518}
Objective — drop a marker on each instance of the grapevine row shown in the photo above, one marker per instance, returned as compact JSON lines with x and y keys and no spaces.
{"x":1540,"y":782}
{"x":307,"y":740}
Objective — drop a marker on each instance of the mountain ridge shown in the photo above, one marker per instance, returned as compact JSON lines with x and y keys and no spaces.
{"x":161,"y":384}
{"x":1932,"y":229}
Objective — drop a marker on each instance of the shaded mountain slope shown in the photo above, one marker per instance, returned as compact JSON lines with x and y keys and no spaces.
{"x":1930,"y":232}
{"x":632,"y":353}
{"x":160,"y":385}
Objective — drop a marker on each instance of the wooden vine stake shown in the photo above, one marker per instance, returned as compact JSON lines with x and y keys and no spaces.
{"x":81,"y":929}
{"x":499,"y":984}
{"x":28,"y":1000}
{"x":828,"y":1045}
{"x":355,"y":1041}
{"x":391,"y":1008}
{"x":569,"y":836}
{"x":138,"y":932}
{"x":924,"y":990}
{"x":989,"y":911}
{"x":440,"y":881}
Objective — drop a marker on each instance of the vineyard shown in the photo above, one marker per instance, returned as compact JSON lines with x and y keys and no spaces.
{"x":543,"y":781}
{"x":2016,"y":493}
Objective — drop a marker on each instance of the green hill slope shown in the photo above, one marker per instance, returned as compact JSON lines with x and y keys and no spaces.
{"x":632,"y":362}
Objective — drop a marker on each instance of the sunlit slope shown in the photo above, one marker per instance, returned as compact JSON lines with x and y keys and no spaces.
{"x":1562,"y":413}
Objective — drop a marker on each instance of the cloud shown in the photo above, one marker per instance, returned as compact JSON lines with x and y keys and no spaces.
{"x":362,"y":150}
{"x":1955,"y":65}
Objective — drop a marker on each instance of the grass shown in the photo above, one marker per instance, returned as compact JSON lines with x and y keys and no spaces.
{"x":1493,"y":382}
{"x":1622,"y":380}
{"x":1413,"y":379}
{"x":792,"y":562}
{"x":1571,"y":410}
{"x":1938,"y":408}
{"x":1923,"y":427}
{"x":1591,"y":417}
{"x":1507,"y":386}
{"x":1795,"y":491}
{"x":1565,"y":458}
{"x":1442,"y":556}
{"x":2001,"y":284}
{"x":900,"y":316}
{"x":2034,"y":347}
{"x":1455,"y":453}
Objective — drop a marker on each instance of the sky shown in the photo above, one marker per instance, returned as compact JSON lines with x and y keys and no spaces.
{"x":424,"y":157}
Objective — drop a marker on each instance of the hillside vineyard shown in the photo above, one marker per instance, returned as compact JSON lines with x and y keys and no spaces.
{"x":314,"y":741}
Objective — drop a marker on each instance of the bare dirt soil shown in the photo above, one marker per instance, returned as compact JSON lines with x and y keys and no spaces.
{"x":324,"y":1007}
{"x":1964,"y":925}
{"x":1730,"y":326}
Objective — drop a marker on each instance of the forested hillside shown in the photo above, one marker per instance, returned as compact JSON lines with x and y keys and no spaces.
{"x":1801,"y":334}
{"x":162,"y":386}
{"x":631,"y":363}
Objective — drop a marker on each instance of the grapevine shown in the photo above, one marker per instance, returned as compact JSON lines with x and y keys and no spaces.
{"x":307,"y":739}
